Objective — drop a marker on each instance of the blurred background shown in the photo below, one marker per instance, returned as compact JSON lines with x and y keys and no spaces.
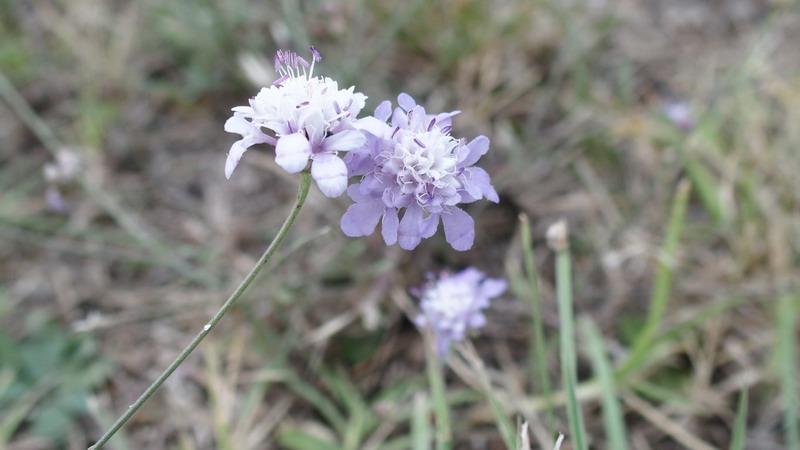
{"x":120,"y":237}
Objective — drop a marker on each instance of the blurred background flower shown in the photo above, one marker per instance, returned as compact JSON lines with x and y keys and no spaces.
{"x":452,"y":305}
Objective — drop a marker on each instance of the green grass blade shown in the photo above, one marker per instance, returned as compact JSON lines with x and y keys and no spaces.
{"x":295,"y":439}
{"x":504,"y":424}
{"x":787,"y":363}
{"x":737,"y":441}
{"x":421,"y":432}
{"x":662,"y":284}
{"x":613,"y":419}
{"x":358,"y":413}
{"x":538,"y":350}
{"x":559,"y":241}
{"x":316,"y":398}
{"x":707,"y":190}
{"x":440,"y":407}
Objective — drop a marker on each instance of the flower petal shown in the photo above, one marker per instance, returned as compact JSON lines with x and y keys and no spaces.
{"x":234,"y":156}
{"x":477,"y":184}
{"x":459,"y":229}
{"x":314,"y":123}
{"x":417,"y":119}
{"x":344,"y":141}
{"x":399,"y":118}
{"x":238,"y":124}
{"x":492,"y":287}
{"x":383,"y":111}
{"x":354,"y":192}
{"x":358,"y":162}
{"x":389,"y":226}
{"x":477,"y":148}
{"x":330,"y":173}
{"x":292,"y":152}
{"x":372,"y":125}
{"x":408,"y":233}
{"x":406,"y":101}
{"x":361,"y":218}
{"x":476,"y":320}
{"x":445,"y":119}
{"x":429,"y":226}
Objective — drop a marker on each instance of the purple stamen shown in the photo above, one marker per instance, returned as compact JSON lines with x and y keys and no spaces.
{"x":303,"y":62}
{"x":419,"y":143}
{"x":430,"y":125}
{"x":446,"y":129}
{"x":336,"y":107}
{"x":300,"y":105}
{"x":280,"y":80}
{"x":315,"y":54}
{"x":396,"y":129}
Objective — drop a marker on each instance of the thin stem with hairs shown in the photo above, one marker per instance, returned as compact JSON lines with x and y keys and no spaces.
{"x":305,"y":182}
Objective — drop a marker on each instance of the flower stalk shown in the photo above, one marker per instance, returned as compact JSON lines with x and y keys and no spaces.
{"x":302,"y":193}
{"x":435,"y":367}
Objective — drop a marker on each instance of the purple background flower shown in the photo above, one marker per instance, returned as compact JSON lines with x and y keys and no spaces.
{"x":454,"y":304}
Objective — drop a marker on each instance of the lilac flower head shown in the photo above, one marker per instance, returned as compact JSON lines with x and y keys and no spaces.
{"x":416,"y":166}
{"x":680,"y":114}
{"x":454,"y":304}
{"x":306,"y":118}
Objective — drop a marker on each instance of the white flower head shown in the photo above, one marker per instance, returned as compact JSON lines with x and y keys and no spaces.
{"x":308,"y":119}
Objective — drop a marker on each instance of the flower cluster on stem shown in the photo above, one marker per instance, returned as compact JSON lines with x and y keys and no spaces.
{"x":413,"y":164}
{"x":308,"y":119}
{"x":453,"y":305}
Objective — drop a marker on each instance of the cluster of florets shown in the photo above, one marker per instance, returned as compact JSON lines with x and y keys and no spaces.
{"x":310,"y":119}
{"x":412,"y":171}
{"x":413,"y":164}
{"x":453,"y":305}
{"x":412,"y":175}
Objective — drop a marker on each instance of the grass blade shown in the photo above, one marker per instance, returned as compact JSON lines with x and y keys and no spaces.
{"x":504,"y":424}
{"x":324,"y":407}
{"x":737,"y":441}
{"x":662,"y":284}
{"x":438,"y":394}
{"x":421,"y":433}
{"x":539,"y":353}
{"x":613,"y":419}
{"x":558,"y":240}
{"x":787,"y":363}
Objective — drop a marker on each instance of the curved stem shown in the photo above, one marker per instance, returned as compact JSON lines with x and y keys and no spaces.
{"x":305,"y":182}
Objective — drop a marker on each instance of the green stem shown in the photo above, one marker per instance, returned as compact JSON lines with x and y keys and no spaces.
{"x":567,"y":336}
{"x":539,"y":352}
{"x":305,"y":182}
{"x":440,"y":406}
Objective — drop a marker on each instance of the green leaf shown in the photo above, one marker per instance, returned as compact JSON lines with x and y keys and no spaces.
{"x":737,"y":441}
{"x":294,"y":439}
